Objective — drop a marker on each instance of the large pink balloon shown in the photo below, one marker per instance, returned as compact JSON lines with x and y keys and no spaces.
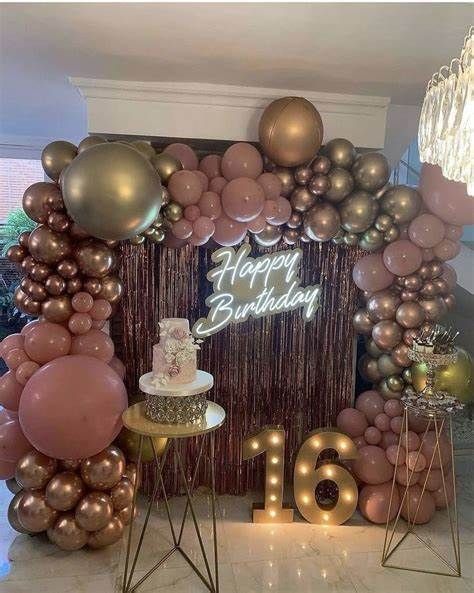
{"x":447,"y":199}
{"x":185,"y":188}
{"x":374,"y":502}
{"x":241,"y":160}
{"x":402,"y":257}
{"x":370,"y":403}
{"x":183,"y":153}
{"x":243,"y":199}
{"x":426,"y":230}
{"x":10,"y":391}
{"x":370,"y":273}
{"x":72,"y":407}
{"x":228,"y":232}
{"x":47,"y":341}
{"x":372,"y":465}
{"x":352,"y":422}
{"x":13,"y":443}
{"x":94,"y":343}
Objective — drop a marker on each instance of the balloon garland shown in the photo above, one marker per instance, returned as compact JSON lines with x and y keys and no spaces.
{"x":105,"y":192}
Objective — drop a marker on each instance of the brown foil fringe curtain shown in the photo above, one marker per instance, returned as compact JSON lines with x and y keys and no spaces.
{"x":273,"y":370}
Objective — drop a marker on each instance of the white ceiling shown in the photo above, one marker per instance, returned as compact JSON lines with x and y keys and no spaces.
{"x":374,"y":49}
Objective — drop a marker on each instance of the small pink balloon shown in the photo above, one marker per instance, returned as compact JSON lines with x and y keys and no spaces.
{"x":25,"y":371}
{"x":426,"y":230}
{"x":402,"y":257}
{"x":417,"y":423}
{"x":47,"y":341}
{"x":217,"y":184}
{"x":257,"y":224}
{"x":183,"y":153}
{"x":370,"y":403}
{"x":382,"y":422}
{"x":396,"y":455}
{"x":447,"y":249}
{"x":372,"y":466}
{"x":82,"y":302}
{"x":413,"y":440}
{"x":229,"y":232}
{"x":283,"y":213}
{"x":441,"y":498}
{"x":396,"y":424}
{"x":352,"y":422}
{"x":13,"y":443}
{"x":427,"y":255}
{"x":185,"y":188}
{"x":101,"y":310}
{"x":402,"y":475}
{"x":389,"y":438}
{"x":210,"y":165}
{"x":416,"y":461}
{"x":393,"y":407}
{"x":118,"y":366}
{"x":372,"y":435}
{"x":210,"y":205}
{"x":271,"y":184}
{"x":10,"y":391}
{"x":359,"y":442}
{"x":203,"y":179}
{"x":418,"y":507}
{"x":26,"y":328}
{"x":98,"y":323}
{"x":241,"y":160}
{"x":94,"y":343}
{"x":197,"y":241}
{"x":243,"y":199}
{"x":192,"y":212}
{"x":376,"y":500}
{"x":270,"y":209}
{"x":7,"y":470}
{"x":182,"y":229}
{"x":203,"y":227}
{"x":430,"y":449}
{"x":453,"y":232}
{"x":10,"y":342}
{"x":432,"y":478}
{"x":14,"y":357}
{"x":79,"y":323}
{"x":370,"y":273}
{"x":450,"y":276}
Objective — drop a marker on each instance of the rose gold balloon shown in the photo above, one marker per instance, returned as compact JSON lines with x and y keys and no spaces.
{"x":321,"y":164}
{"x":67,"y":534}
{"x":16,"y":254}
{"x":33,"y":512}
{"x":57,"y":309}
{"x":55,"y":285}
{"x":37,"y":198}
{"x":302,"y":199}
{"x":322,"y":222}
{"x":93,"y":286}
{"x":434,"y":308}
{"x":287,"y":180}
{"x":362,"y":322}
{"x":94,"y":258}
{"x":28,"y":263}
{"x":382,"y":305}
{"x":58,"y":222}
{"x":303,"y":174}
{"x":67,"y":268}
{"x":64,"y":491}
{"x":111,"y":290}
{"x":424,"y":271}
{"x":79,"y":323}
{"x":122,"y":494}
{"x":47,"y":246}
{"x":39,"y":272}
{"x":295,"y":221}
{"x":108,"y":535}
{"x":400,"y":355}
{"x":410,"y":314}
{"x":73,"y":286}
{"x":449,"y":301}
{"x":37,"y":291}
{"x":441,"y":286}
{"x":429,"y":289}
{"x":25,"y":371}
{"x":387,"y":334}
{"x":32,"y":307}
{"x":12,"y":513}
{"x":406,"y":296}
{"x":319,"y":185}
{"x":413,"y":282}
{"x":104,"y":470}
{"x":35,"y":470}
{"x":409,"y":335}
{"x":368,"y":368}
{"x":125,"y":514}
{"x":19,"y":298}
{"x":70,"y":464}
{"x":94,"y":511}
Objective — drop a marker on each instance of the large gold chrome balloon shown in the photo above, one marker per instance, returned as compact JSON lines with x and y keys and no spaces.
{"x":371,"y":171}
{"x":111,"y":191}
{"x":104,"y":470}
{"x":111,"y":289}
{"x":56,"y":156}
{"x":269,"y":236}
{"x":67,"y":534}
{"x":35,"y":470}
{"x":13,"y":513}
{"x":456,"y":378}
{"x":341,"y":152}
{"x":322,"y":222}
{"x":94,"y":258}
{"x":290,"y":131}
{"x":166,"y":164}
{"x":342,"y":183}
{"x":108,"y":535}
{"x":401,"y":202}
{"x":47,"y":246}
{"x":382,"y":305}
{"x":94,"y":511}
{"x":128,"y":441}
{"x":64,"y":491}
{"x":358,"y":212}
{"x":34,"y":513}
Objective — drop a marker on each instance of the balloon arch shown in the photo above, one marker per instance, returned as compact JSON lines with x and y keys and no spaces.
{"x":104,"y":192}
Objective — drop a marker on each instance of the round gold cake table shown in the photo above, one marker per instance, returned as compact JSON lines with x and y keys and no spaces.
{"x":135,"y":420}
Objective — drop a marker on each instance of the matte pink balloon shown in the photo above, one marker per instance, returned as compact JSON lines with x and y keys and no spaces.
{"x":217,"y":184}
{"x":10,"y":391}
{"x":271,"y":184}
{"x":396,"y":455}
{"x":203,"y":227}
{"x":7,"y":470}
{"x":210,"y":205}
{"x":100,"y":323}
{"x":427,"y":255}
{"x":447,"y":249}
{"x":426,"y":230}
{"x":416,"y":461}
{"x":376,"y":500}
{"x":118,"y":366}
{"x":79,"y":323}
{"x":183,"y":153}
{"x":431,"y":451}
{"x":442,"y":499}
{"x":370,"y":273}
{"x":257,"y":224}
{"x":453,"y":232}
{"x":241,"y":160}
{"x":370,"y":403}
{"x":7,"y":415}
{"x":393,"y":408}
{"x":47,"y":341}
{"x":203,"y":179}
{"x":10,"y":342}
{"x":352,"y":422}
{"x":185,"y":188}
{"x":82,"y":302}
{"x":372,"y":435}
{"x":14,"y":357}
{"x":396,"y":424}
{"x":372,"y":466}
{"x":94,"y":343}
{"x":270,"y":209}
{"x":432,"y":478}
{"x":283,"y":212}
{"x":447,"y":199}
{"x":229,"y":232}
{"x":402,"y":257}
{"x":101,"y":310}
{"x":72,"y":407}
{"x":413,"y":440}
{"x":13,"y":443}
{"x":26,"y":328}
{"x":402,"y":476}
{"x":192,"y":212}
{"x":359,"y":442}
{"x":182,"y":229}
{"x":197,"y":241}
{"x":243,"y":199}
{"x":25,"y":371}
{"x":418,"y":507}
{"x":210,"y":165}
{"x":417,"y":423}
{"x":450,"y":276}
{"x":382,"y":422}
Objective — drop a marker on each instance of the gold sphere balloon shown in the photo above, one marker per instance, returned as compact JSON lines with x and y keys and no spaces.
{"x":122,"y":494}
{"x":137,"y":240}
{"x":35,"y":470}
{"x":57,"y":309}
{"x":111,"y":289}
{"x":12,"y":514}
{"x":287,"y":180}
{"x":104,"y":470}
{"x":94,"y":511}
{"x":368,"y":368}
{"x":131,"y":472}
{"x":341,"y":185}
{"x":56,"y":156}
{"x":290,"y":131}
{"x":269,"y":236}
{"x":144,"y":148}
{"x":64,"y":491}
{"x":13,"y":486}
{"x":173,"y":212}
{"x":395,"y":383}
{"x":111,"y":191}
{"x":383,"y":222}
{"x":89,"y":142}
{"x":166,"y":164}
{"x":358,"y":211}
{"x":67,"y":534}
{"x":94,"y":258}
{"x":382,"y":305}
{"x":302,"y":199}
{"x":47,"y":246}
{"x":371,"y":240}
{"x":128,"y":441}
{"x":391,"y":235}
{"x":108,"y":535}
{"x":387,"y":367}
{"x":362,"y":322}
{"x":125,"y":514}
{"x":351,"y":239}
{"x":34,"y":513}
{"x":401,"y":202}
{"x":371,"y":171}
{"x":456,"y":378}
{"x":322,"y":222}
{"x":341,"y":152}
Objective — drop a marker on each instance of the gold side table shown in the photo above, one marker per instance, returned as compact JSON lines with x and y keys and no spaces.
{"x":134,"y":419}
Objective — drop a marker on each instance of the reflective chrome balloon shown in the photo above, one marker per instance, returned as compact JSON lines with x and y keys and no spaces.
{"x":322,"y":222}
{"x":358,"y":211}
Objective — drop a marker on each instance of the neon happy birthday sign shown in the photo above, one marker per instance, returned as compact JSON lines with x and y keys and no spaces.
{"x":254,"y":287}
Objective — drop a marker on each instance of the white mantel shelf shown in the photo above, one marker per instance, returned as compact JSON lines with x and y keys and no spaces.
{"x":219,"y":112}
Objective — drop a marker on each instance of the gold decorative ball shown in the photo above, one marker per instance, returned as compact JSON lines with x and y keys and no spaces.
{"x":173,"y":212}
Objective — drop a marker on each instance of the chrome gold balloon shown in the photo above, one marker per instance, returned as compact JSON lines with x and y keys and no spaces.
{"x":165,"y":165}
{"x":56,"y":156}
{"x":358,"y":211}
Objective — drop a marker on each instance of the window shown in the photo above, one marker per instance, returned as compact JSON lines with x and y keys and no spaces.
{"x":15,"y":176}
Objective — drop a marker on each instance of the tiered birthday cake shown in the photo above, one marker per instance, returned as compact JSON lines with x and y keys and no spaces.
{"x":174,"y":357}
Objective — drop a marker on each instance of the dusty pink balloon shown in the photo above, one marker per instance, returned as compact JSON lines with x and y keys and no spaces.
{"x":182,"y":229}
{"x":372,"y":466}
{"x":47,"y":341}
{"x":101,"y":310}
{"x":197,"y":241}
{"x":228,"y":232}
{"x":413,"y":440}
{"x":402,"y":257}
{"x":26,"y":328}
{"x":203,"y":227}
{"x":79,"y":323}
{"x":427,"y":255}
{"x":359,"y":442}
{"x":283,"y":212}
{"x":426,"y":230}
{"x":270,"y":209}
{"x":13,"y":443}
{"x":403,"y":475}
{"x":25,"y":371}
{"x":417,"y":423}
{"x":210,"y":165}
{"x":100,"y":323}
{"x":389,"y":438}
{"x":10,"y":391}
{"x":118,"y":366}
{"x":217,"y":184}
{"x":418,"y":507}
{"x":183,"y":153}
{"x":370,"y":403}
{"x":416,"y":461}
{"x":94,"y":343}
{"x":432,"y":478}
{"x":441,"y":498}
{"x":382,"y":422}
{"x":447,"y":249}
{"x":241,"y":160}
{"x":352,"y":422}
{"x":271,"y":184}
{"x":257,"y":224}
{"x":243,"y":199}
{"x":192,"y":213}
{"x":376,"y":500}
{"x":7,"y":470}
{"x":372,"y":435}
{"x":447,"y":199}
{"x":370,"y":273}
{"x":203,"y":179}
{"x":185,"y":188}
{"x":393,"y":408}
{"x":441,"y":455}
{"x":72,"y":407}
{"x":7,"y":415}
{"x":395,"y":454}
{"x":14,"y":357}
{"x":453,"y":232}
{"x":396,"y":424}
{"x":82,"y":302}
{"x":210,"y":205}
{"x":10,"y":342}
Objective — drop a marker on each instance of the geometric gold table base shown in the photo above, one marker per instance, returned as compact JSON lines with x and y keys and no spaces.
{"x":136,"y":421}
{"x":437,"y":422}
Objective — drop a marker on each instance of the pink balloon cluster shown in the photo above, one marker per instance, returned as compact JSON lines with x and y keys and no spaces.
{"x":375,"y":425}
{"x":224,"y":197}
{"x":63,"y":392}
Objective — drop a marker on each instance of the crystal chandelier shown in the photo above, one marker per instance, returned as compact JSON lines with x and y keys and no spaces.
{"x":446,"y":129}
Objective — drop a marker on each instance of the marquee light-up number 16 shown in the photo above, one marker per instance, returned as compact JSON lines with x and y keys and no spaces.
{"x":306,"y":476}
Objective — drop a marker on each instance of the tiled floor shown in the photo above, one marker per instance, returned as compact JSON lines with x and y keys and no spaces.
{"x":296,"y":558}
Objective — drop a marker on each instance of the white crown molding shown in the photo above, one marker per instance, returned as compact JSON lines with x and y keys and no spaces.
{"x":215,"y":111}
